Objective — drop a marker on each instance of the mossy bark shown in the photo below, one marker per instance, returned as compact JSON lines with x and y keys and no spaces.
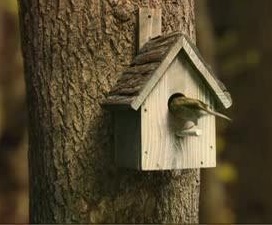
{"x":74,"y":51}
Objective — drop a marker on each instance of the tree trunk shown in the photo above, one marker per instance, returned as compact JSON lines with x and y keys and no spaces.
{"x":74,"y":52}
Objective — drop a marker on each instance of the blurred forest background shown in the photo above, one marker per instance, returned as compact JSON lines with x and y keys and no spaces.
{"x":235,"y":37}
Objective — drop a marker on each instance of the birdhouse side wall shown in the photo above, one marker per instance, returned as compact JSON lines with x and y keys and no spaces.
{"x":127,"y":138}
{"x":161,"y":147}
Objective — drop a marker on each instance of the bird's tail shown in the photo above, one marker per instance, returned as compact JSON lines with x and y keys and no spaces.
{"x":220,"y":115}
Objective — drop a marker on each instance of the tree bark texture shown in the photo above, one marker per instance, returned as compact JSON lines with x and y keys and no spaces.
{"x":74,"y":51}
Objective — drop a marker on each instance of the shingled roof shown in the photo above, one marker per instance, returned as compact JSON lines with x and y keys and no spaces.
{"x":149,"y":66}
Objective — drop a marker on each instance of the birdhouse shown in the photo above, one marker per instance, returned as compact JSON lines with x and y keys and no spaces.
{"x":146,"y":136}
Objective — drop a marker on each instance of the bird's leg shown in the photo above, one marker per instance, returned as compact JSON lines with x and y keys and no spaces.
{"x":189,"y":129}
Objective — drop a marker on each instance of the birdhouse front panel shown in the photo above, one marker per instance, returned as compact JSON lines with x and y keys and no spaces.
{"x":162,"y":146}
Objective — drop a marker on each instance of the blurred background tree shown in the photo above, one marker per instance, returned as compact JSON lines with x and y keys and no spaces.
{"x":214,"y":204}
{"x":244,"y":47}
{"x":235,"y":37}
{"x":13,"y":137}
{"x":242,"y":33}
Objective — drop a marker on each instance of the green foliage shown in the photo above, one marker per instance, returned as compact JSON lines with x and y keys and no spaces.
{"x":227,"y":173}
{"x":236,"y":61}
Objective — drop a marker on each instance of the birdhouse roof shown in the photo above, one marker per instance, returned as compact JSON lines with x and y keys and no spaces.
{"x":153,"y":59}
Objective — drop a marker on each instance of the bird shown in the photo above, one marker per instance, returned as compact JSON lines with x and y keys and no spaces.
{"x":189,"y":109}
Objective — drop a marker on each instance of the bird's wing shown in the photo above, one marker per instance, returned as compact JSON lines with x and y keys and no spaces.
{"x":219,"y":114}
{"x":202,"y":106}
{"x":194,"y":104}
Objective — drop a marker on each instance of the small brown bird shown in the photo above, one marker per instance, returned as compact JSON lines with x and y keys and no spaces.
{"x":189,"y":109}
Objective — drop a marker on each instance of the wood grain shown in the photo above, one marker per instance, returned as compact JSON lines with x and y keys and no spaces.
{"x":215,"y":85}
{"x":162,"y":148}
{"x":175,"y":48}
{"x":149,"y":24}
{"x":153,"y":60}
{"x":127,"y":132}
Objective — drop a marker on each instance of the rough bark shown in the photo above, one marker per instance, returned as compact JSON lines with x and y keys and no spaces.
{"x":74,"y":52}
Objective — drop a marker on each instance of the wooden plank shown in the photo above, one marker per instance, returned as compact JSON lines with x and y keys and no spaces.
{"x":127,"y":133}
{"x":142,"y":69}
{"x":128,"y":81}
{"x":183,"y":43}
{"x":204,"y":70}
{"x":117,"y":100}
{"x":130,"y":84}
{"x":157,"y":74}
{"x":140,"y":86}
{"x":128,"y":91}
{"x":162,"y":149}
{"x":149,"y":25}
{"x":205,"y":151}
{"x":166,"y":40}
{"x":156,"y":55}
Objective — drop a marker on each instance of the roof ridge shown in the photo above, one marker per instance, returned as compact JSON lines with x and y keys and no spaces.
{"x":150,"y":64}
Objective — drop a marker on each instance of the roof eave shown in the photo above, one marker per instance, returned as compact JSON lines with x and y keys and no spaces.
{"x":183,"y":43}
{"x":157,"y":74}
{"x":222,"y":95}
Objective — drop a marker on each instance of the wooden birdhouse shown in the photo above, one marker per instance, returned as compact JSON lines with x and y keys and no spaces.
{"x":146,"y":137}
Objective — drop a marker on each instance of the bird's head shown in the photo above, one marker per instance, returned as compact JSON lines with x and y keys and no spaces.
{"x":176,"y":95}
